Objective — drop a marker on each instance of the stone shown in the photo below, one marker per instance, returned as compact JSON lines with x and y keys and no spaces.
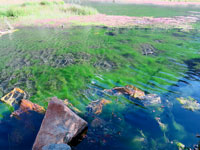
{"x":60,"y":125}
{"x":56,"y":147}
{"x":151,"y":99}
{"x":96,"y":107}
{"x":14,"y":97}
{"x":27,"y":106}
{"x":130,"y":90}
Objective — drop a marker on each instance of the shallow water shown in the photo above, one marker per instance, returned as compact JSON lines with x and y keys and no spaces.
{"x":78,"y":63}
{"x":142,"y":10}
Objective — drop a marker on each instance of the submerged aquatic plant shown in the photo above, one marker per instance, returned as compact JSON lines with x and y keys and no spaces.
{"x":189,"y":103}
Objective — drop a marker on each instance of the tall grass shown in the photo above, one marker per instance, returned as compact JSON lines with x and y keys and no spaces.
{"x":53,"y":8}
{"x":79,"y":10}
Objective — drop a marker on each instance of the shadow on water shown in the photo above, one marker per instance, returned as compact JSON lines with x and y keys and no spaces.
{"x":19,"y":133}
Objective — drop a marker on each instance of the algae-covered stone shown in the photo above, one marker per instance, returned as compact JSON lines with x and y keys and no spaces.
{"x":14,"y":97}
{"x":130,"y":90}
{"x":97,"y":106}
{"x":189,"y":103}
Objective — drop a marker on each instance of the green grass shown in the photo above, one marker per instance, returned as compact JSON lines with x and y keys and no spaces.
{"x":45,"y":8}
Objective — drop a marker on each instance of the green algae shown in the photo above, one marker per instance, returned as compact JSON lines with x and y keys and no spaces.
{"x":189,"y":103}
{"x":118,"y":64}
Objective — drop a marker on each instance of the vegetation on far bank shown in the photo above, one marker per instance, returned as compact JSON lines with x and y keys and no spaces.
{"x":44,"y":9}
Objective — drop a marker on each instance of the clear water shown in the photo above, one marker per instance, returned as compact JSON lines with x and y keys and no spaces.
{"x":78,"y":63}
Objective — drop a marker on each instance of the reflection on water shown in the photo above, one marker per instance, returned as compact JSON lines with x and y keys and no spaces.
{"x":79,"y":63}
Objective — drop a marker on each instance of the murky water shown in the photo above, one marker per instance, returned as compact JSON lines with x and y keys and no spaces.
{"x":79,"y":63}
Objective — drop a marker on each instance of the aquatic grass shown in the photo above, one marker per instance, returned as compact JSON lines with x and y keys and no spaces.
{"x":150,"y":73}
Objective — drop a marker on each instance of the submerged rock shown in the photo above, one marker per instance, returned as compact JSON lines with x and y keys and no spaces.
{"x":56,"y":147}
{"x":189,"y":103}
{"x":60,"y":125}
{"x":151,"y":99}
{"x":26,"y":106}
{"x":14,"y":97}
{"x":97,"y":106}
{"x":133,"y":92}
{"x":130,"y":90}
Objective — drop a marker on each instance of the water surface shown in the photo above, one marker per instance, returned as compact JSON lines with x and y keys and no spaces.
{"x":78,"y":63}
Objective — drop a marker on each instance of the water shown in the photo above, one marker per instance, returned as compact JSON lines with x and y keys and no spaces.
{"x":141,"y":10}
{"x":78,"y":63}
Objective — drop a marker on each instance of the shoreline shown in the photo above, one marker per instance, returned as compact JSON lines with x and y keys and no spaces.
{"x":151,"y":2}
{"x":182,"y":22}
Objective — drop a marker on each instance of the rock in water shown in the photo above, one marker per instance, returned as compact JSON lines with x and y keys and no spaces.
{"x":151,"y":99}
{"x":130,"y":90}
{"x":96,"y":107}
{"x":26,"y":106}
{"x":56,"y":147}
{"x":14,"y":97}
{"x":60,"y":125}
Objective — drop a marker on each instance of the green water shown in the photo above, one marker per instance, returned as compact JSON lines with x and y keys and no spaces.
{"x":78,"y":63}
{"x":142,"y":10}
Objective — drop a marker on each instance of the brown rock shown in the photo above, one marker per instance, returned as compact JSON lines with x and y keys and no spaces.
{"x":97,"y":106}
{"x":26,"y":106}
{"x":59,"y":126}
{"x":130,"y":90}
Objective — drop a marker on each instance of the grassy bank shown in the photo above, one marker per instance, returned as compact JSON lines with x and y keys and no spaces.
{"x":42,"y":10}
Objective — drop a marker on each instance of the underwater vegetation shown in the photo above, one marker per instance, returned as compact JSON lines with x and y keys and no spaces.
{"x":80,"y":65}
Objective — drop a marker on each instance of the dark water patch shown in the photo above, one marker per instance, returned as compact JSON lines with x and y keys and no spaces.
{"x":178,"y":35}
{"x":111,"y":33}
{"x":20,"y":134}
